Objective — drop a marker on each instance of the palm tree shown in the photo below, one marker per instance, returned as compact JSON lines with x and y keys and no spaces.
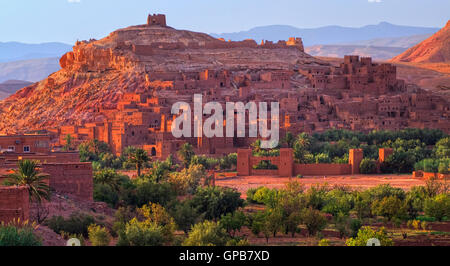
{"x":27,"y":175}
{"x":137,"y":157}
{"x":185,"y":154}
{"x":108,"y":177}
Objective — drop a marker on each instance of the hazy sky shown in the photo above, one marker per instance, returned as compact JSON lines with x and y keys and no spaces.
{"x":36,"y":21}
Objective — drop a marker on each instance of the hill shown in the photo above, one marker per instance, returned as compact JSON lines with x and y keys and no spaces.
{"x":376,"y":52}
{"x":31,"y":70}
{"x":11,"y":86}
{"x":138,"y":59}
{"x":435,"y":49}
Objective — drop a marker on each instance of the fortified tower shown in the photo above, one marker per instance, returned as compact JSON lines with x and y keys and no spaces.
{"x":156,"y":19}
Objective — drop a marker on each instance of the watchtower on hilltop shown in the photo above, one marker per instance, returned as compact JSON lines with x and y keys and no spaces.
{"x":156,"y":19}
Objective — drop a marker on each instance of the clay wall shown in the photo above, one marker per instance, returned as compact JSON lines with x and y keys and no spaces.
{"x":14,"y":204}
{"x":75,"y":179}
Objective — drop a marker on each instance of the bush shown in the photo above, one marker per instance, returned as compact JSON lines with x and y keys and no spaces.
{"x":368,"y":166}
{"x":138,"y":233}
{"x":323,"y":243}
{"x":77,"y":223}
{"x":438,"y":207}
{"x":207,"y":233}
{"x":11,"y":235}
{"x":251,"y":195}
{"x":366,"y":233}
{"x":265,"y":164}
{"x":98,"y":235}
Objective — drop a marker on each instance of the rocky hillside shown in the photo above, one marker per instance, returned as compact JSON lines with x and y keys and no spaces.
{"x":433,"y":50}
{"x":96,"y":73}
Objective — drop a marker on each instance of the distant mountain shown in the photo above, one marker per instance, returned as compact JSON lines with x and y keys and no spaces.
{"x":328,"y":34}
{"x":435,"y":49}
{"x":404,"y":42}
{"x":376,"y":52}
{"x":31,"y":70}
{"x":14,"y":51}
{"x":11,"y":86}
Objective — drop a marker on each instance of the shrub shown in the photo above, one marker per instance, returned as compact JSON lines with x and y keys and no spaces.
{"x":77,"y":223}
{"x":368,"y":166}
{"x":366,"y":233}
{"x":138,"y":233}
{"x":11,"y":235}
{"x":251,"y":195}
{"x":98,"y":235}
{"x":265,"y":164}
{"x":323,"y":243}
{"x":438,"y":207}
{"x":207,"y":233}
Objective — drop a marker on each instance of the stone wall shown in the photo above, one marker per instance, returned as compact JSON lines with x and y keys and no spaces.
{"x":14,"y":204}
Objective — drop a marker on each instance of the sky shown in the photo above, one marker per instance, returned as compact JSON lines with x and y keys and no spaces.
{"x":37,"y":21}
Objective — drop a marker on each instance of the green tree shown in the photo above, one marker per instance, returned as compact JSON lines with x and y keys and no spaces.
{"x":233,"y":222}
{"x":108,"y":177}
{"x":389,"y":207}
{"x":188,"y":179}
{"x":314,"y":220}
{"x":138,"y":157}
{"x":216,"y":201}
{"x":28,"y":175}
{"x":366,"y":233}
{"x":442,"y":148}
{"x":301,"y":147}
{"x":185,"y":215}
{"x":438,"y":206}
{"x":68,"y":146}
{"x":155,"y":213}
{"x":368,"y":166}
{"x":289,"y":140}
{"x":137,"y":233}
{"x":185,"y":154}
{"x":98,"y":236}
{"x":207,"y":233}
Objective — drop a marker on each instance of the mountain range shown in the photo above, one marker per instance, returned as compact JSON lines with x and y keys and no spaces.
{"x":328,"y":34}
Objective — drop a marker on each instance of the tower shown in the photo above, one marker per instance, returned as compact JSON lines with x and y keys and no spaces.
{"x":156,"y":19}
{"x":354,"y":159}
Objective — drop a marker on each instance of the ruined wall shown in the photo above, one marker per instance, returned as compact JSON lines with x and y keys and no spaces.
{"x":14,"y":204}
{"x":71,"y":178}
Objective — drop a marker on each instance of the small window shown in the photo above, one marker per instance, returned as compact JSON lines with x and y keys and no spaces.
{"x":26,"y":148}
{"x":11,"y":148}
